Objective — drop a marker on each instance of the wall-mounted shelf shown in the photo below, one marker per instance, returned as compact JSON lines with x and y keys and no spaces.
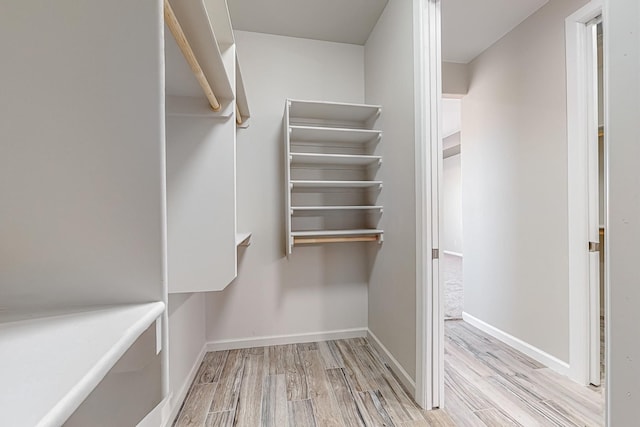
{"x":194,"y":19}
{"x":302,"y":210}
{"x":80,"y":347}
{"x":331,"y":184}
{"x":243,"y":239}
{"x":338,"y":114}
{"x":193,"y":106}
{"x":333,"y":159}
{"x":317,"y":134}
{"x":335,"y":184}
{"x":336,"y":236}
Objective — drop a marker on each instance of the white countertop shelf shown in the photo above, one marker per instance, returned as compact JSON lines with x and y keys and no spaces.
{"x":318,"y":134}
{"x":335,"y":184}
{"x":333,"y":159}
{"x":50,"y":363}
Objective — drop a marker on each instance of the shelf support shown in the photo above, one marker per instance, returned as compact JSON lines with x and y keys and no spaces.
{"x":185,"y":47}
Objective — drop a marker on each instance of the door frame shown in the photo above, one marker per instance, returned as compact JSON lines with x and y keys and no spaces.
{"x":429,"y":393}
{"x":579,"y":104}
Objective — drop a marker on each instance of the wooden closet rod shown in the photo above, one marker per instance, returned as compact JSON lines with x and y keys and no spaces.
{"x":312,"y":240}
{"x":183,"y":43}
{"x":238,"y":115}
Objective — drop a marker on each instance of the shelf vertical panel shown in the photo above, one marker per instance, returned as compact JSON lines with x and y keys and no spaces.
{"x":201,"y":219}
{"x":287,"y":180}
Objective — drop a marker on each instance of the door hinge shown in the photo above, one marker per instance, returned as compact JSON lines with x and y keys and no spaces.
{"x":435,"y":253}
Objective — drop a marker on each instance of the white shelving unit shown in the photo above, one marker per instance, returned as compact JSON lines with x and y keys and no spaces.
{"x":201,"y":195}
{"x":331,"y":185}
{"x":83,"y":324}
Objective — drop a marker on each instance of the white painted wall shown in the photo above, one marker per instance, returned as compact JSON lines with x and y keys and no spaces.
{"x":187,"y":337}
{"x":455,"y":78}
{"x":452,"y":204}
{"x":514,"y":183}
{"x":81,"y":153}
{"x":320,"y":288}
{"x":389,"y":82}
{"x":622,"y":64}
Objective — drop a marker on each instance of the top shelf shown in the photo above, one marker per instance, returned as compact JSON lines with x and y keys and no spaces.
{"x":81,"y":347}
{"x":333,"y":114}
{"x":194,"y":17}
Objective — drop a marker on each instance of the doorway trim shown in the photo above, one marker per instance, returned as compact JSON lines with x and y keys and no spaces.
{"x":429,"y":392}
{"x":578,"y":99}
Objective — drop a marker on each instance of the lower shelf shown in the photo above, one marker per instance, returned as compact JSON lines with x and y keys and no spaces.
{"x":336,"y":236}
{"x":50,"y":362}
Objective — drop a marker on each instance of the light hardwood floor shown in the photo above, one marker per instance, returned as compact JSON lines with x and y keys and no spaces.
{"x":345,"y":383}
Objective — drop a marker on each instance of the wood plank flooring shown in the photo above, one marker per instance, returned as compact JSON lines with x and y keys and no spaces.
{"x":345,"y":383}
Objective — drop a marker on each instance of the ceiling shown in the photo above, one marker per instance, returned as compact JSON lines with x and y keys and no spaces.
{"x":343,"y":21}
{"x":468,"y":26}
{"x":471,"y":26}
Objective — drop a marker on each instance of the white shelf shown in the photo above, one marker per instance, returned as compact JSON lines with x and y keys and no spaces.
{"x":243,"y":239}
{"x":49,"y":363}
{"x":358,"y":115}
{"x":191,"y":106}
{"x":321,"y":209}
{"x":318,"y":134}
{"x":194,"y":16}
{"x":335,"y":184}
{"x":333,"y":159}
{"x":341,"y":233}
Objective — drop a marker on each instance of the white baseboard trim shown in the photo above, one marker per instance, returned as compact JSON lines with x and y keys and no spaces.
{"x":176,"y":399}
{"x":285,"y":339}
{"x":395,"y":366}
{"x":458,"y":254}
{"x":535,"y":353}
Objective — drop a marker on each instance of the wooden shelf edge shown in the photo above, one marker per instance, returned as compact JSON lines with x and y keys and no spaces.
{"x":301,"y":240}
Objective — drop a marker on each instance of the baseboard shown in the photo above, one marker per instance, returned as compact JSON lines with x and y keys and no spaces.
{"x":535,"y":353}
{"x":285,"y":339}
{"x":395,"y":366}
{"x":458,"y":254}
{"x":176,"y":399}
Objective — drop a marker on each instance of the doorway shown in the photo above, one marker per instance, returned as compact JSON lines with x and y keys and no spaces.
{"x":525,"y":243}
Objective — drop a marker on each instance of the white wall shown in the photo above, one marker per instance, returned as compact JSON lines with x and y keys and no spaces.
{"x":389,"y":82}
{"x":452,"y":206}
{"x":514,"y":183}
{"x":622,"y":51}
{"x":455,"y":78}
{"x":187,"y":337}
{"x":322,"y":288}
{"x":81,"y":153}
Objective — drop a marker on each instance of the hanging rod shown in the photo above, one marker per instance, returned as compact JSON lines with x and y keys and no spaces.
{"x":312,"y":240}
{"x":183,"y":44}
{"x":238,"y":115}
